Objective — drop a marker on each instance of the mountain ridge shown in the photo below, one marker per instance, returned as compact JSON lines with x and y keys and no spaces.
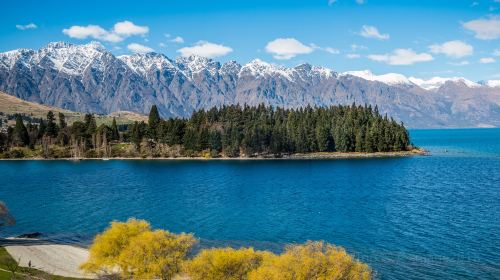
{"x":90,"y":78}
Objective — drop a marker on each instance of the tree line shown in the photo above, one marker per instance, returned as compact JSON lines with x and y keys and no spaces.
{"x":229,"y":131}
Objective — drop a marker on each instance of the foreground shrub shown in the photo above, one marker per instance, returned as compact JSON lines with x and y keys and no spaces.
{"x":224,"y":263}
{"x":313,"y":260}
{"x":155,"y":254}
{"x":135,"y":251}
{"x":131,"y":250}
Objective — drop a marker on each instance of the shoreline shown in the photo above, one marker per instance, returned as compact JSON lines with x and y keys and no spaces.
{"x":50,"y":257}
{"x":297,"y":156}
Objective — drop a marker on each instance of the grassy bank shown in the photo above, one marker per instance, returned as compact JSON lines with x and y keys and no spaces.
{"x":8,"y":264}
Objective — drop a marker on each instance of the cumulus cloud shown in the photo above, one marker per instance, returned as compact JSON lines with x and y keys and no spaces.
{"x":353,"y":55}
{"x":401,"y":57}
{"x":178,"y":40}
{"x":27,"y":26}
{"x":487,"y":60}
{"x":205,"y":49}
{"x":369,"y":31}
{"x":484,"y":29}
{"x":287,"y":48}
{"x":455,"y":49}
{"x":120,"y":31}
{"x":138,"y":48}
{"x":128,"y":28}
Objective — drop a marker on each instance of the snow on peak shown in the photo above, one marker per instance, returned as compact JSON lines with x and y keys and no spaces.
{"x":491,"y":83}
{"x":9,"y":59}
{"x":389,"y":78}
{"x":141,"y":63}
{"x":72,"y":59}
{"x":436,"y":82}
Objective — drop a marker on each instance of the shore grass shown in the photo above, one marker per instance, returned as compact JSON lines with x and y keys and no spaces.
{"x":6,"y":262}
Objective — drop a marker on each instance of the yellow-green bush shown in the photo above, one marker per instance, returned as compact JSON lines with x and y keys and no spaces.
{"x":313,"y":260}
{"x":224,"y":263}
{"x":135,"y":251}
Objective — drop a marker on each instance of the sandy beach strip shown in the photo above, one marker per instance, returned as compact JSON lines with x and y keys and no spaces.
{"x":56,"y":259}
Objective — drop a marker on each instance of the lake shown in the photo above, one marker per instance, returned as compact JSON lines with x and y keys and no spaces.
{"x":422,"y":217}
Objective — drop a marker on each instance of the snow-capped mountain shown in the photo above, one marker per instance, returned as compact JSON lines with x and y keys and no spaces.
{"x":390,"y":78}
{"x":89,"y":78}
{"x":436,"y":82}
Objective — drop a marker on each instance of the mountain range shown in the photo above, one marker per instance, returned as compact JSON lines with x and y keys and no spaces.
{"x":89,"y":78}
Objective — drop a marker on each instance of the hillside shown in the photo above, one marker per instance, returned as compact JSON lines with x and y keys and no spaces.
{"x":10,"y":105}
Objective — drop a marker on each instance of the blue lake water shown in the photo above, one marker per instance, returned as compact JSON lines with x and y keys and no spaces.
{"x":424,"y":217}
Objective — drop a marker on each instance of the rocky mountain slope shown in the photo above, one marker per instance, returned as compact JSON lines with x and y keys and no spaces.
{"x":88,"y":78}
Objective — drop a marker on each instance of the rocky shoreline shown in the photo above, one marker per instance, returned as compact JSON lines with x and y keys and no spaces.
{"x":297,"y":156}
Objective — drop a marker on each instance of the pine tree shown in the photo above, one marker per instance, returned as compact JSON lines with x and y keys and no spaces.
{"x":20,"y":136}
{"x":153,"y":121}
{"x":62,"y":121}
{"x":115,"y":135}
{"x":51,"y":130}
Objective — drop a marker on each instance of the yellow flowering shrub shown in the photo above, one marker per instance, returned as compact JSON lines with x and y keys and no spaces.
{"x":313,"y":260}
{"x":224,"y":263}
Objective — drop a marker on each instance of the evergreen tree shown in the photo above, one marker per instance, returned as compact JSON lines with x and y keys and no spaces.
{"x":62,"y":121}
{"x":153,"y":121}
{"x":20,"y":136}
{"x":51,"y":129}
{"x":115,"y":135}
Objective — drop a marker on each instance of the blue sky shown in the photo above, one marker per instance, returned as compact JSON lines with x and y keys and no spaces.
{"x":416,"y":38}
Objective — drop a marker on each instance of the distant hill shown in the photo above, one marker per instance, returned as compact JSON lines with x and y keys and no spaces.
{"x":10,"y":105}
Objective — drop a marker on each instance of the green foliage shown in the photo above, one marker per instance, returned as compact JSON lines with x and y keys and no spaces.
{"x":20,"y":135}
{"x":51,"y":129}
{"x":229,"y":131}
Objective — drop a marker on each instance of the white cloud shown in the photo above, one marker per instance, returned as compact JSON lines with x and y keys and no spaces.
{"x":27,"y":26}
{"x":369,"y":31}
{"x":401,"y":57}
{"x":331,"y":50}
{"x":355,"y":47}
{"x":91,"y":31}
{"x":178,"y":40}
{"x":460,"y":63}
{"x":120,"y":31}
{"x":286,"y":48}
{"x":205,"y":49}
{"x":162,"y":45}
{"x":353,"y":55}
{"x":138,"y":48}
{"x":455,"y":49}
{"x":496,"y":52}
{"x":487,"y":60}
{"x":128,"y":28}
{"x":484,"y":29}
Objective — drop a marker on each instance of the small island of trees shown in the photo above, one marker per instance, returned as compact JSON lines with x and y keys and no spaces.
{"x":228,"y":131}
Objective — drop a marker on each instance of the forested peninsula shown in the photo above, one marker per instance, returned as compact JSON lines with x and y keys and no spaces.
{"x":225,"y":132}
